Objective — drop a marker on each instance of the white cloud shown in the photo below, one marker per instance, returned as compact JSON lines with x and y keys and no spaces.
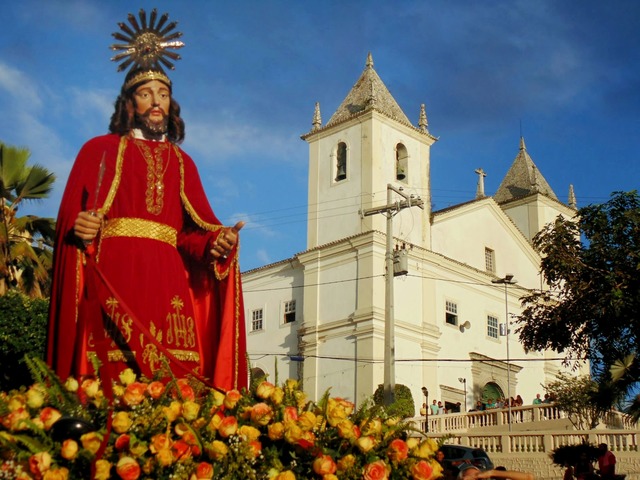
{"x":21,"y":89}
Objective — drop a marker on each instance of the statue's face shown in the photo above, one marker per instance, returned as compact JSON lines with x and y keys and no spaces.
{"x":152,"y":100}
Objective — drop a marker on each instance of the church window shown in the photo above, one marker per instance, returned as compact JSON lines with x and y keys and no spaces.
{"x":451,"y":313}
{"x":341,"y":162}
{"x":256,"y":320}
{"x":401,"y":162}
{"x":490,"y":260}
{"x":290,"y":311}
{"x":492,"y":326}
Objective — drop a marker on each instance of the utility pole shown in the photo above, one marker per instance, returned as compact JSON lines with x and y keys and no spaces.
{"x":390,"y":210}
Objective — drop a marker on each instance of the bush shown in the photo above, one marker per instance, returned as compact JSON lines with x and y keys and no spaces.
{"x":23,"y":331}
{"x":402,"y":407}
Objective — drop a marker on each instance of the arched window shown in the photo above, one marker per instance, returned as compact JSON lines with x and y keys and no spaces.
{"x":341,"y":162}
{"x":402,"y":157}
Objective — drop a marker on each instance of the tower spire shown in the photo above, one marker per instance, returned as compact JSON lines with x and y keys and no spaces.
{"x":317,"y":119}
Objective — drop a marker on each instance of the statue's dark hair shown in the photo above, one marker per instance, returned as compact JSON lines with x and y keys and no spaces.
{"x":122,"y":120}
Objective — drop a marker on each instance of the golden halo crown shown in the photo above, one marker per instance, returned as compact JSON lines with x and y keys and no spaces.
{"x":146,"y":47}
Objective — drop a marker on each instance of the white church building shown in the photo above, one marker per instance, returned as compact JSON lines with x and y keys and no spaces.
{"x":322,"y":316}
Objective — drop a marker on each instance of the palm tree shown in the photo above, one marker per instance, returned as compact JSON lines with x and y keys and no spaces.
{"x":26,"y":242}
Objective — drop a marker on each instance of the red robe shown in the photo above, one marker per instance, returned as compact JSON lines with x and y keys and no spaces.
{"x":146,"y":288}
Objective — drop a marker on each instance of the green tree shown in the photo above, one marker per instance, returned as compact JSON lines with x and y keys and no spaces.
{"x":592,"y":266}
{"x":26,"y":242}
{"x":578,"y":398}
{"x":402,"y":407}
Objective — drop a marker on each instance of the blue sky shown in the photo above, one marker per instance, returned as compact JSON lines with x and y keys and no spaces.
{"x":564,"y":73}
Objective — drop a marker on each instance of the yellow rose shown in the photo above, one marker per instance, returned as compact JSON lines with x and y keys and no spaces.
{"x":49,"y":416}
{"x":231,"y":398}
{"x":324,"y":465}
{"x":217,"y":450}
{"x":127,"y":377}
{"x":190,"y":410}
{"x":35,"y":396}
{"x":164,"y":457}
{"x":426,"y":449}
{"x":277,"y":396}
{"x":172,"y":412}
{"x":249,"y":433}
{"x":372,"y":426}
{"x":228,"y":427}
{"x":122,"y":422}
{"x":61,"y":473}
{"x":69,"y":449}
{"x":365,"y":443}
{"x":292,"y":432}
{"x":264,"y":390}
{"x":275,"y":431}
{"x":307,"y":420}
{"x":71,"y":385}
{"x":91,"y":387}
{"x":346,"y":462}
{"x":261,"y":414}
{"x":128,"y":468}
{"x":91,"y":441}
{"x":103,"y":470}
{"x":286,"y":475}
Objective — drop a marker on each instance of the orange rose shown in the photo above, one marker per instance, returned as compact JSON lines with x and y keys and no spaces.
{"x":134,"y":393}
{"x":49,"y":416}
{"x":377,"y":470}
{"x":307,"y":440}
{"x":122,"y":442}
{"x":181,"y":450}
{"x":255,"y":447}
{"x":39,"y":463}
{"x":275,"y":431}
{"x":264,"y":390}
{"x":61,"y":473}
{"x":204,"y":471}
{"x":103,"y":470}
{"x":159,"y":441}
{"x":91,"y":441}
{"x":231,"y":398}
{"x":186,"y":390}
{"x":217,"y":450}
{"x":290,"y":414}
{"x":155,"y":389}
{"x":128,"y":469}
{"x":261,"y":414}
{"x":346,"y":462}
{"x":69,"y":449}
{"x":398,"y":450}
{"x":365,"y":443}
{"x":324,"y":465}
{"x":228,"y":427}
{"x":122,"y":422}
{"x":424,"y":470}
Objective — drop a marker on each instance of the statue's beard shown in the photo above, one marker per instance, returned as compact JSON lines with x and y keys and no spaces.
{"x":150,"y":129}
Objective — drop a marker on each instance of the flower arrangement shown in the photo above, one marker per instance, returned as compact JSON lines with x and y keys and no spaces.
{"x":180,"y":429}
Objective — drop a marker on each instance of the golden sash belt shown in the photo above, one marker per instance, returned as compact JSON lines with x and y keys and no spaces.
{"x":140,"y":228}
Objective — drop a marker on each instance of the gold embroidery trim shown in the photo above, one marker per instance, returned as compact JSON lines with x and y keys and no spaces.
{"x":140,"y":228}
{"x":124,"y":356}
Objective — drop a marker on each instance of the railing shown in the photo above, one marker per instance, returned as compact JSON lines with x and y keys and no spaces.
{"x":461,"y":422}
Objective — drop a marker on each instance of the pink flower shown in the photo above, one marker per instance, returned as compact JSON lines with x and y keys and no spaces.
{"x":127,"y":468}
{"x":377,"y":470}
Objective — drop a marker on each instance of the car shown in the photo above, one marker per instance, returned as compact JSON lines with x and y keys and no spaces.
{"x":456,"y":455}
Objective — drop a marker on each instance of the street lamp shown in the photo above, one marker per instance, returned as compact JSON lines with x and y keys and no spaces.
{"x":464,"y":382}
{"x":426,"y":414}
{"x":507,"y":280}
